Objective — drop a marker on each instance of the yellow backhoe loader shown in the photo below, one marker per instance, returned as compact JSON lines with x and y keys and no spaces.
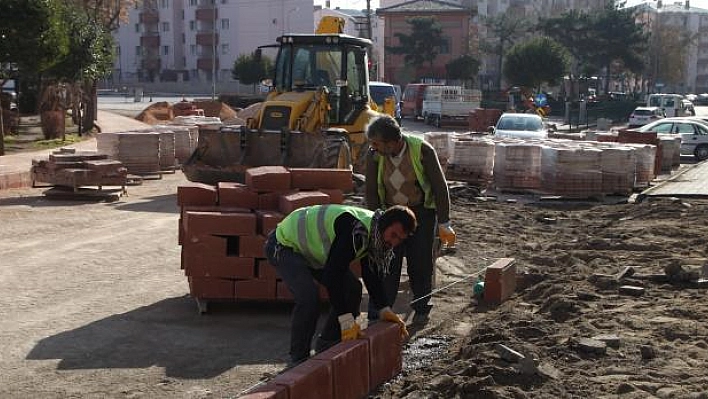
{"x":314,"y":115}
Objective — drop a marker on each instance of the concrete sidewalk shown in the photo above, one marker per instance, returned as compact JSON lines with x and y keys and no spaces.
{"x":15,"y":168}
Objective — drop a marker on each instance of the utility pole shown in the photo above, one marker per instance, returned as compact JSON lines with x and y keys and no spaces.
{"x":213,"y":59}
{"x":368,"y":19}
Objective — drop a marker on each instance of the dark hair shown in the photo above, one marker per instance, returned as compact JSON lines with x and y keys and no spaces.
{"x":401,"y":214}
{"x":385,"y":128}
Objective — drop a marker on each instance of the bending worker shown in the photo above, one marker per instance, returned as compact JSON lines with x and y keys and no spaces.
{"x":404,"y":169}
{"x":318,"y":243}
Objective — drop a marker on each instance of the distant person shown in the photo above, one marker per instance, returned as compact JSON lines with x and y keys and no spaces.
{"x":317,"y":244}
{"x":404,"y":169}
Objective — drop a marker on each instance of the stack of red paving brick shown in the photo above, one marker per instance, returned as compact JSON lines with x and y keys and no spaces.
{"x":223,"y":227}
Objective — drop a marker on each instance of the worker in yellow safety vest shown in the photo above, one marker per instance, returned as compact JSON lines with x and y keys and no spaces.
{"x":318,"y":244}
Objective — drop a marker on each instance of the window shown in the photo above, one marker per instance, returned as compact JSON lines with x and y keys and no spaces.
{"x":165,"y":26}
{"x":225,"y":48}
{"x":192,"y":25}
{"x":192,"y":3}
{"x":165,"y":3}
{"x":138,"y":51}
{"x":193,"y":49}
{"x":225,"y":24}
{"x":137,"y":28}
{"x":165,"y":50}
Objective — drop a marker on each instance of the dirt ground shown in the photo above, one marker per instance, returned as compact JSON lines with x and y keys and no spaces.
{"x":95,"y":305}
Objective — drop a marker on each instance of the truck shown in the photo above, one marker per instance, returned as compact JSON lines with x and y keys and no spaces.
{"x":314,"y":114}
{"x":449,"y":104}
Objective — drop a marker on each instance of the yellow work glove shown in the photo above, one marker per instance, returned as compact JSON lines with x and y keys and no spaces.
{"x":447,"y":235}
{"x":388,"y":315}
{"x":349,"y":327}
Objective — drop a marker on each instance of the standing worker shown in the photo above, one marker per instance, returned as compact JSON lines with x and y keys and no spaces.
{"x":404,"y":169}
{"x":318,"y":243}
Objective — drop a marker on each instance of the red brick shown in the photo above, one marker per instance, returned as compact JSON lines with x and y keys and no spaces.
{"x":268,"y":391}
{"x":200,"y":262}
{"x":268,"y":178}
{"x":311,"y":379}
{"x":197,"y":194}
{"x":251,"y":246}
{"x":350,"y":368}
{"x":318,"y":178}
{"x":500,"y":280}
{"x":268,"y":201}
{"x":290,"y":202}
{"x":180,"y":231}
{"x":237,"y":194}
{"x":267,"y":221}
{"x":203,"y":208}
{"x":255,"y":289}
{"x":266,"y":271}
{"x":219,"y":223}
{"x":336,"y":196}
{"x":213,"y":288}
{"x":385,"y":359}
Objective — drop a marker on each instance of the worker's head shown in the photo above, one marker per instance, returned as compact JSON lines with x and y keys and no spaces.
{"x":384,"y":135}
{"x":397,"y":223}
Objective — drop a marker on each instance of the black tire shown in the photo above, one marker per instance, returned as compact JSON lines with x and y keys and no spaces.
{"x":336,"y":153}
{"x":701,"y":152}
{"x":437,"y":121}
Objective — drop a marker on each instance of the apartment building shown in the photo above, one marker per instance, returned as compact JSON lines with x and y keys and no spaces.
{"x":198,"y":41}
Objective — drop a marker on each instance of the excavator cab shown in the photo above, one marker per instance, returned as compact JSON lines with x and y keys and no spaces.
{"x":314,"y":115}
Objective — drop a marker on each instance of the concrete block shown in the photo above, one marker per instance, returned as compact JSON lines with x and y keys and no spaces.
{"x":500,"y":280}
{"x":267,"y":221}
{"x":268,"y":178}
{"x":255,"y":289}
{"x":311,"y":379}
{"x":318,"y":178}
{"x":237,"y":194}
{"x":385,"y":359}
{"x":219,"y":223}
{"x":350,"y":368}
{"x":211,"y":288}
{"x":251,"y":246}
{"x":193,"y":193}
{"x":290,"y":202}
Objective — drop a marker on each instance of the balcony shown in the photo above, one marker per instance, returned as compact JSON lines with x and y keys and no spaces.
{"x":150,"y":63}
{"x":149,"y":17}
{"x":207,"y":38}
{"x":206,"y":14}
{"x":205,"y":63}
{"x":150,"y":40}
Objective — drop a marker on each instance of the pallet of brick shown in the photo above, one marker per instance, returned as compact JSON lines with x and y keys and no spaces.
{"x":644,"y":170}
{"x":472,"y":161}
{"x":670,"y":149}
{"x":618,"y":165}
{"x":517,"y":166}
{"x":139,"y":152}
{"x":442,"y":143}
{"x":183,"y":143}
{"x":571,"y":171}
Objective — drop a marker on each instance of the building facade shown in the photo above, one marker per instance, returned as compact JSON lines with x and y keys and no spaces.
{"x":198,"y":41}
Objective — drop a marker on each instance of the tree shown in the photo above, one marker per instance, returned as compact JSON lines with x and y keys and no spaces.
{"x":503,"y":31}
{"x":537,"y":61}
{"x":422,"y":45}
{"x":668,"y":53}
{"x":573,"y":30}
{"x":250,"y":69}
{"x":463,"y":68}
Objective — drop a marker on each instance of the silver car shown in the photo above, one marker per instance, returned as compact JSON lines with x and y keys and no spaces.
{"x":693,"y":131}
{"x":520,"y":126}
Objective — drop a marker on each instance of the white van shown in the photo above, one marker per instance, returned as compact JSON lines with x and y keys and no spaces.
{"x":672,"y":104}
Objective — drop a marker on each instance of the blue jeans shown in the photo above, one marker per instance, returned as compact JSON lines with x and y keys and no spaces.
{"x":296,"y":273}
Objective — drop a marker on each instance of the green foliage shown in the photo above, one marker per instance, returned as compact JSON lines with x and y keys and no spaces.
{"x":423,"y":44}
{"x":465,"y":67}
{"x":250,"y":69}
{"x":537,"y":61}
{"x":503,"y":30}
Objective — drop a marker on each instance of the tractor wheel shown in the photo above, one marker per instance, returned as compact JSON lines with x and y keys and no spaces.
{"x":336,"y":153}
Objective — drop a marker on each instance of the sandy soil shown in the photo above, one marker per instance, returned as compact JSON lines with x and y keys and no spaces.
{"x":95,"y":305}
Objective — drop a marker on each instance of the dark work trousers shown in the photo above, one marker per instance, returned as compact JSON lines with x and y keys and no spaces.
{"x":296,"y":273}
{"x":418,"y":251}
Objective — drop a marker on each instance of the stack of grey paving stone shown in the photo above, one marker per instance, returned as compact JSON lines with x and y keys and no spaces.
{"x":138,"y":151}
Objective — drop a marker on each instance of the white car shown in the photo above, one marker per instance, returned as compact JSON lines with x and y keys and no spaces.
{"x":520,"y":126}
{"x":643,"y":115}
{"x":693,"y":131}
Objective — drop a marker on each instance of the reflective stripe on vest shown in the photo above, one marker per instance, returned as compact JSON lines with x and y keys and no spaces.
{"x":309,"y":231}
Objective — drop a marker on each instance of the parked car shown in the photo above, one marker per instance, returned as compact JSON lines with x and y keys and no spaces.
{"x":520,"y":126}
{"x":380,"y":91}
{"x":643,"y":115}
{"x":693,"y":131}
